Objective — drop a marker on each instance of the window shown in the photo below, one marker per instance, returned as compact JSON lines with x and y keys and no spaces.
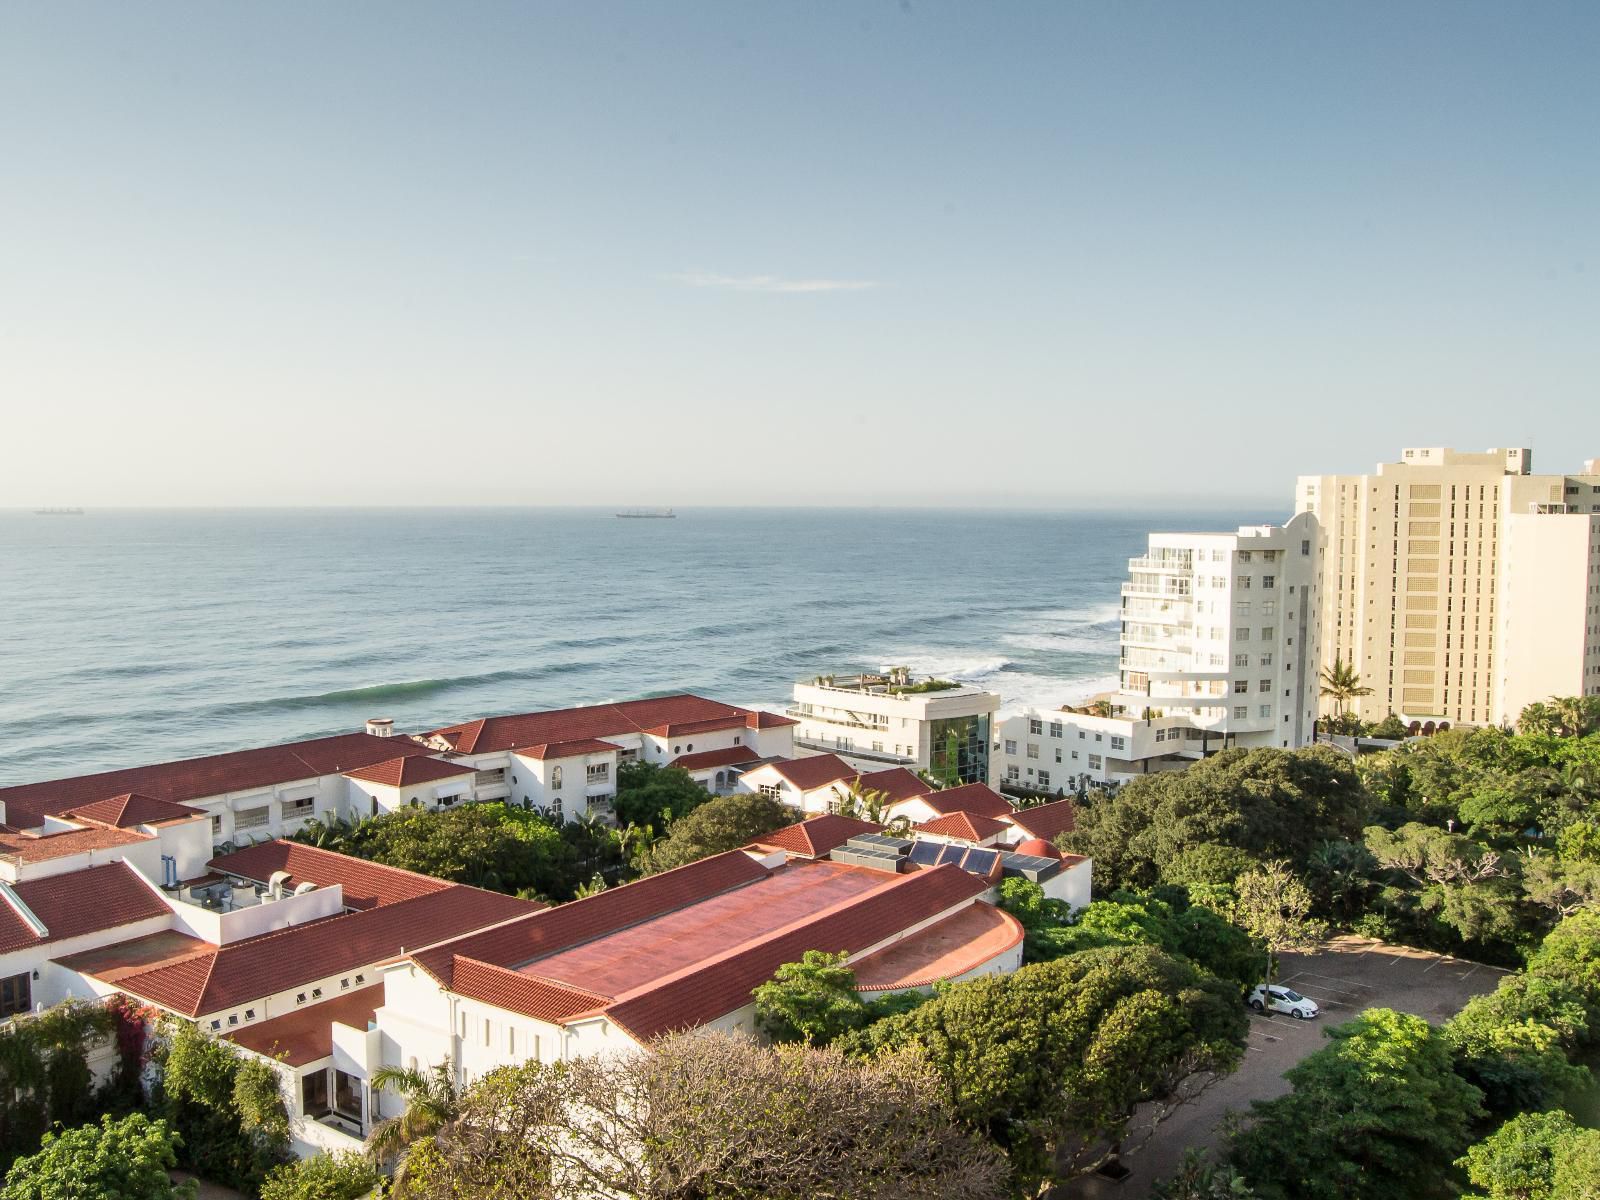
{"x":599,"y":772}
{"x":216,"y":826}
{"x":1044,"y":779}
{"x":1268,"y":633}
{"x":293,"y":810}
{"x":1305,"y":547}
{"x":1013,"y":772}
{"x":1269,"y":608}
{"x":1118,"y":743}
{"x":1244,"y":556}
{"x":16,"y":994}
{"x":1033,"y":749}
{"x":1241,"y":660}
{"x":314,"y":1094}
{"x":1058,"y":753}
{"x":1055,"y":728}
{"x":1242,"y":582}
{"x":1011,"y":746}
{"x":300,"y":999}
{"x":1094,"y":762}
{"x":1241,"y":712}
{"x":770,"y":790}
{"x":1241,"y":686}
{"x":1242,"y":633}
{"x":1035,"y":725}
{"x":249,"y":1014}
{"x":1264,"y":685}
{"x":555,"y":777}
{"x":1269,"y":581}
{"x":316,"y":993}
{"x":1266,"y":710}
{"x":252,"y":818}
{"x":1241,"y":608}
{"x":1266,"y":659}
{"x":486,"y":1031}
{"x":344,"y":984}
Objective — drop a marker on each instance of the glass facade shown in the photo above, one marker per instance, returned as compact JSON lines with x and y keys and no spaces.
{"x":958,"y":749}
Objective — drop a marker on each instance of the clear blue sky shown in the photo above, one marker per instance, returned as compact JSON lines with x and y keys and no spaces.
{"x":1063,"y":253}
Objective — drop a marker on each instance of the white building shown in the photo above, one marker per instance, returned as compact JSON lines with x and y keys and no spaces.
{"x":877,"y":721}
{"x":824,"y":783}
{"x":1219,"y":647}
{"x":1460,"y":586}
{"x":565,"y":762}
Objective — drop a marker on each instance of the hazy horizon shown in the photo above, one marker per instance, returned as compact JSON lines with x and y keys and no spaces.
{"x":904,"y":254}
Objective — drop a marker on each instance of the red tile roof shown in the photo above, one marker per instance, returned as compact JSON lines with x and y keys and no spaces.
{"x":813,"y":772}
{"x":1047,"y":821}
{"x":711,"y":989}
{"x":78,"y":902}
{"x":968,"y":827}
{"x":518,"y":942}
{"x":817,"y":836}
{"x":27,"y":846}
{"x":366,"y":884}
{"x":490,"y":734}
{"x":735,"y":720}
{"x":729,"y":756}
{"x":234,"y":974}
{"x":131,"y":809}
{"x":760,"y":719}
{"x":306,"y":1034}
{"x":214,"y":775}
{"x":570,"y":749}
{"x":978,"y":798}
{"x":946,"y":949}
{"x":897,"y":782}
{"x":410,"y":771}
{"x":530,"y":995}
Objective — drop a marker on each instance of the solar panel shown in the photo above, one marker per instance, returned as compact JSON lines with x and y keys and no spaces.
{"x":881,"y":842}
{"x":952,"y":854}
{"x":980,"y":862}
{"x":925,"y":854}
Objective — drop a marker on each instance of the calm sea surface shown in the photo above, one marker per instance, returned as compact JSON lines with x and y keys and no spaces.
{"x":138,"y":636}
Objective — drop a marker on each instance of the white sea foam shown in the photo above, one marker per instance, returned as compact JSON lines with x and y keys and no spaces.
{"x":1063,"y":643}
{"x":1092,"y":614}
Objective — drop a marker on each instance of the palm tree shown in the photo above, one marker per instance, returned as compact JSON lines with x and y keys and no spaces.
{"x":868,"y":804}
{"x":432,"y":1102}
{"x":1342,"y":684}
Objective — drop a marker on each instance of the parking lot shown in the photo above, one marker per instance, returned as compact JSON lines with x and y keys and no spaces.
{"x":1345,"y":977}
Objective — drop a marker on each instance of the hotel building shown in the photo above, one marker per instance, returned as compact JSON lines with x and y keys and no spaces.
{"x":876,"y":721}
{"x":1461,"y":586}
{"x":1219,"y":648}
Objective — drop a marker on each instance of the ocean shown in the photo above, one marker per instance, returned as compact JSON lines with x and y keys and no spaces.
{"x":131,"y":636}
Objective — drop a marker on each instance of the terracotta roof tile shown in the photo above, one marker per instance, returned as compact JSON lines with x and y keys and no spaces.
{"x":196,"y":778}
{"x":410,"y":771}
{"x":273,"y":962}
{"x":29,"y":847}
{"x":520,"y":941}
{"x":978,"y":798}
{"x":729,"y":756}
{"x":968,"y":827}
{"x":816,"y":836}
{"x":733,"y":720}
{"x":816,"y":771}
{"x":714,"y":988}
{"x":306,"y":1034}
{"x":78,"y":902}
{"x":1047,"y":821}
{"x":897,"y":782}
{"x":366,"y":884}
{"x":570,"y":749}
{"x":760,"y":719}
{"x":515,"y":991}
{"x":132,"y":808}
{"x":491,"y":734}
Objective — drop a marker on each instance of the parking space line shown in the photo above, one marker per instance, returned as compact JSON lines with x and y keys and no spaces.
{"x":1468,"y":975}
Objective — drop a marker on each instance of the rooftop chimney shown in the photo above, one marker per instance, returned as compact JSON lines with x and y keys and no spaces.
{"x":380,"y":726}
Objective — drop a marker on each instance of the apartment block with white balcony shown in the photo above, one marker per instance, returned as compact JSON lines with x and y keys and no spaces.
{"x":891,"y":720}
{"x":1219,"y":648}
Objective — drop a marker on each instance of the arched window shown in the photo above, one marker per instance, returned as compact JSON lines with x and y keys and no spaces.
{"x":555,"y":777}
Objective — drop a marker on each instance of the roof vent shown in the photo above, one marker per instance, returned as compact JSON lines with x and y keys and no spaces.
{"x":277,"y":883}
{"x":305,"y":887}
{"x":380,"y":726}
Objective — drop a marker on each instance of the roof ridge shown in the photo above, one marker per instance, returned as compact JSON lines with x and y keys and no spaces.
{"x":369,"y":862}
{"x":573,"y":988}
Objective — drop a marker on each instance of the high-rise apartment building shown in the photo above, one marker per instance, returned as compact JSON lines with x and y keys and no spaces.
{"x":1460,"y":586}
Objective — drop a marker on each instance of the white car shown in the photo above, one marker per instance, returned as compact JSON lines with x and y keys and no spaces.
{"x":1281,"y":999}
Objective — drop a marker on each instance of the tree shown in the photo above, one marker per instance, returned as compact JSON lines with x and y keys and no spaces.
{"x":1577,"y":1168}
{"x":1391,"y":727}
{"x":1566,"y":886}
{"x":1516,"y":1043}
{"x":227,"y":1109}
{"x":1197,"y":1179}
{"x":1518,"y":1160}
{"x":1273,"y":906}
{"x":432,"y":1101}
{"x":1267,"y":803}
{"x":813,"y":1000}
{"x":324,"y":1177}
{"x":1570,"y":954}
{"x":1051,"y":1061}
{"x":1341,"y":684}
{"x":1561,"y":716}
{"x":721,"y":824}
{"x":708,"y":1114}
{"x":1377,"y":1114}
{"x":128,"y":1159}
{"x":651,"y":794}
{"x":1339,"y":874}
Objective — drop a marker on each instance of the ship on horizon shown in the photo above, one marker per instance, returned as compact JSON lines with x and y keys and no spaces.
{"x":648,"y":514}
{"x":58,"y":512}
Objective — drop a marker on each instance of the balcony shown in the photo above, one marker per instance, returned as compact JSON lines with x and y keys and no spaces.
{"x":851,"y":721}
{"x":883,"y":756}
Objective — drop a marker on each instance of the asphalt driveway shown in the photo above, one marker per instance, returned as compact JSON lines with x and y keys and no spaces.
{"x":1346,"y":976}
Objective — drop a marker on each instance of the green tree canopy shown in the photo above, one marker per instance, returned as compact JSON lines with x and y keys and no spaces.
{"x":1273,"y":906}
{"x":721,"y":824}
{"x":1267,"y":803}
{"x":1050,"y":1061}
{"x":324,"y":1177}
{"x":1377,"y":1114}
{"x":813,"y":1000}
{"x":128,"y":1159}
{"x":650,"y":794}
{"x":1518,"y":1160}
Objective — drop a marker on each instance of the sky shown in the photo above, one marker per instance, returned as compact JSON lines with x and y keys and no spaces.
{"x":1062,"y":254}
